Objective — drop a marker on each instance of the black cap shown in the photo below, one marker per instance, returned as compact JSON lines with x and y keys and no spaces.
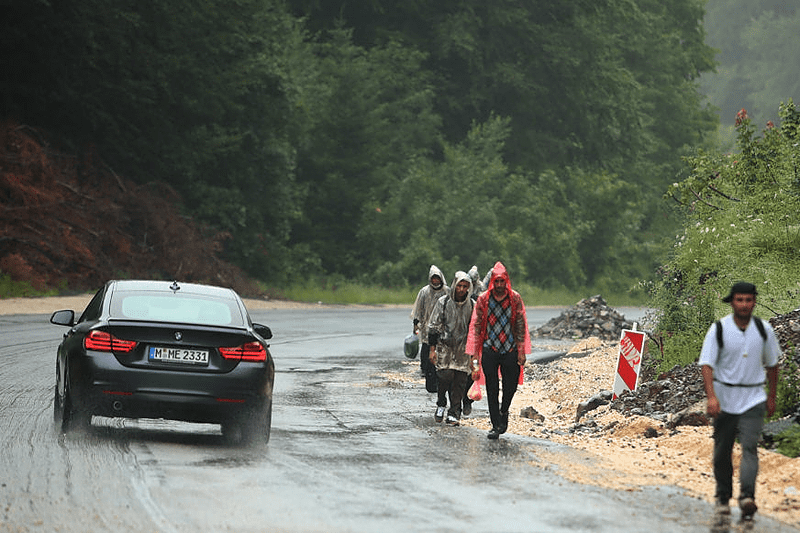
{"x":740,"y":287}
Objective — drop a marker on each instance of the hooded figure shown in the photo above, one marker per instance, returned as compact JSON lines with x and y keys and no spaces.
{"x":499,"y":339}
{"x":421,"y":313}
{"x":447,"y":332}
{"x":450,"y":319}
{"x":477,"y":284}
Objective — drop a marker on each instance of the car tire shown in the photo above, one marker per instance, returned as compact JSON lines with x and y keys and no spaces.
{"x":73,"y":415}
{"x":252,"y":427}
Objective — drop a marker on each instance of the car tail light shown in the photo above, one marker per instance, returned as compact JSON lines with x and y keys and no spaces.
{"x":101,"y":341}
{"x":250,"y":351}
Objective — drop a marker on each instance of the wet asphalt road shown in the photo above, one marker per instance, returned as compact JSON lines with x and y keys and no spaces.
{"x":348,"y":453}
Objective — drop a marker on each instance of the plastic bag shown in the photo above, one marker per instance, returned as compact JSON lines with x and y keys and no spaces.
{"x":474,"y":392}
{"x":411,"y":346}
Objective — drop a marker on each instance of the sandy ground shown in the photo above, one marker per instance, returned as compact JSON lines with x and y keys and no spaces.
{"x":618,"y":456}
{"x":35,"y":306}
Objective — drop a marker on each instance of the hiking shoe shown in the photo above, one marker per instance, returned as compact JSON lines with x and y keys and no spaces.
{"x":439,"y":416}
{"x":748,"y":507}
{"x":451,"y":420}
{"x":494,"y":434}
{"x":467,"y":410}
{"x":503,"y":422}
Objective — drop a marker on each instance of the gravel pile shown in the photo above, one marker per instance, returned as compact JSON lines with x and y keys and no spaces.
{"x":591,"y":317}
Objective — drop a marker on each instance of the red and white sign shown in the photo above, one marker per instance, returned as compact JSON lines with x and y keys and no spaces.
{"x":631,"y":348}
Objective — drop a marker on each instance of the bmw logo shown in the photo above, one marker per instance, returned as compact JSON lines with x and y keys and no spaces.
{"x":178,"y":335}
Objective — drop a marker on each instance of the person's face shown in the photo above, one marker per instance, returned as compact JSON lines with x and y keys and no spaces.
{"x":436,"y":281}
{"x":461,"y":290}
{"x":499,"y":289}
{"x":743,"y":305}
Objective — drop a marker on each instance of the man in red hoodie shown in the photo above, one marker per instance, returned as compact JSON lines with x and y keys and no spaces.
{"x":499,"y":339}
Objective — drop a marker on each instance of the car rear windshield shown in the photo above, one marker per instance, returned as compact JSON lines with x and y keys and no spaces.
{"x":182,"y":308}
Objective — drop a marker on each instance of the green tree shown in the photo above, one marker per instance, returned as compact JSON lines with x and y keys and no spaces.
{"x":604,"y":89}
{"x":204,"y":96}
{"x":757,"y":55}
{"x":371,"y":117}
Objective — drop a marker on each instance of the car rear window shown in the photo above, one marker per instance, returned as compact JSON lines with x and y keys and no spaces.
{"x":176,"y":308}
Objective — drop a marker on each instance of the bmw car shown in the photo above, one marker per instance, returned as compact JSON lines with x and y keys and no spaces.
{"x":161,"y":349}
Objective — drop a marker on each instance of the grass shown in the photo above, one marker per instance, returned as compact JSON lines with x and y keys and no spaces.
{"x":21,"y":289}
{"x":344,"y":292}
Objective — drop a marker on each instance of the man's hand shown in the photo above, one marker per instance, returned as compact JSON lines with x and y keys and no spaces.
{"x":770,"y":405}
{"x":713,"y":406}
{"x":521,"y":359}
{"x":475,"y":367}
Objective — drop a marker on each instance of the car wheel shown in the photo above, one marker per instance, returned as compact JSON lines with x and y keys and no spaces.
{"x":73,"y":415}
{"x":58,"y":404}
{"x":250,"y":428}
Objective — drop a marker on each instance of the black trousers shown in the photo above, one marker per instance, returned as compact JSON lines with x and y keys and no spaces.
{"x":428,"y":368}
{"x":451,"y":383}
{"x":509,"y":368}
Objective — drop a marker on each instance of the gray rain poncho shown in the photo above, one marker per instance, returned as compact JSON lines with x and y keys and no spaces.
{"x":453,"y":317}
{"x":426,"y":300}
{"x":477,"y":285}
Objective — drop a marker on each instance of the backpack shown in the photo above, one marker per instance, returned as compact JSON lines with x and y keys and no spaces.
{"x":759,"y":326}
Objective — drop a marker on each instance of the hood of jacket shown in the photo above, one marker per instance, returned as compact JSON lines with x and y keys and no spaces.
{"x":499,"y":271}
{"x":460,"y":276}
{"x":434,"y":271}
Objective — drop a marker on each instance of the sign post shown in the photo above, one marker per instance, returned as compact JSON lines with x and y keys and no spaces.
{"x":631,"y":348}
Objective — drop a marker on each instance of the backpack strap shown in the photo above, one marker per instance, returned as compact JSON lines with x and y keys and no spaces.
{"x":759,"y":326}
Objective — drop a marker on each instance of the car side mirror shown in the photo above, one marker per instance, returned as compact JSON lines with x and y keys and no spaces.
{"x":263,"y":331}
{"x":65,"y":317}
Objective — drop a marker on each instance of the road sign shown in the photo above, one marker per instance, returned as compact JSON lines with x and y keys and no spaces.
{"x":631,"y":348}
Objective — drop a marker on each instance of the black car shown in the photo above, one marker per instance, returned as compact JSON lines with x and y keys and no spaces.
{"x":160,"y":349}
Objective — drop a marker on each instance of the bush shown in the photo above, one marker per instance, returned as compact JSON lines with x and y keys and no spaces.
{"x":788,"y":441}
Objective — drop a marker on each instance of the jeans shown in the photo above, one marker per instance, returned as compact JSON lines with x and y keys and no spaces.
{"x":748,"y":426}
{"x":509,"y":368}
{"x":452,"y":383}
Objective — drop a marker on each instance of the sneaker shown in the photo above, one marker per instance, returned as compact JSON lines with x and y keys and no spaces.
{"x":494,"y":434}
{"x":451,"y":420}
{"x":467,"y":408}
{"x":722,"y":508}
{"x":439,"y":416}
{"x":748,"y":507}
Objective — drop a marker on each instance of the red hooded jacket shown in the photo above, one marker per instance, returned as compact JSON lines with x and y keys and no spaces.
{"x":519,"y":320}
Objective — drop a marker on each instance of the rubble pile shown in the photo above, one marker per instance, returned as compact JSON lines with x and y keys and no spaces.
{"x":787,"y":329}
{"x":591,"y":317}
{"x":676,"y":398}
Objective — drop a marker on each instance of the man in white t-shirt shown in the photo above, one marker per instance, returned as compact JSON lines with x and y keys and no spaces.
{"x":739,"y":356}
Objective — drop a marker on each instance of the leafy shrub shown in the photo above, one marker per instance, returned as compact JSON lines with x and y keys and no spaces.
{"x":742,"y":214}
{"x":788,"y":442}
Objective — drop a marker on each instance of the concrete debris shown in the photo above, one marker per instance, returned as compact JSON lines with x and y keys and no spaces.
{"x":591,"y":317}
{"x":531,"y":413}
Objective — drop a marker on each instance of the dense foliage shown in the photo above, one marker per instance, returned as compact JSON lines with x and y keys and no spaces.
{"x":355,"y":138}
{"x":758,"y":54}
{"x":742,"y":223}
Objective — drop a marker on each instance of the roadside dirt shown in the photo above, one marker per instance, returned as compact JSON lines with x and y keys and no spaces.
{"x":36,"y":306}
{"x":620,"y":455}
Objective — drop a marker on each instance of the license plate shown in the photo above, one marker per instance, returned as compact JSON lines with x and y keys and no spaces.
{"x":186,"y":356}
